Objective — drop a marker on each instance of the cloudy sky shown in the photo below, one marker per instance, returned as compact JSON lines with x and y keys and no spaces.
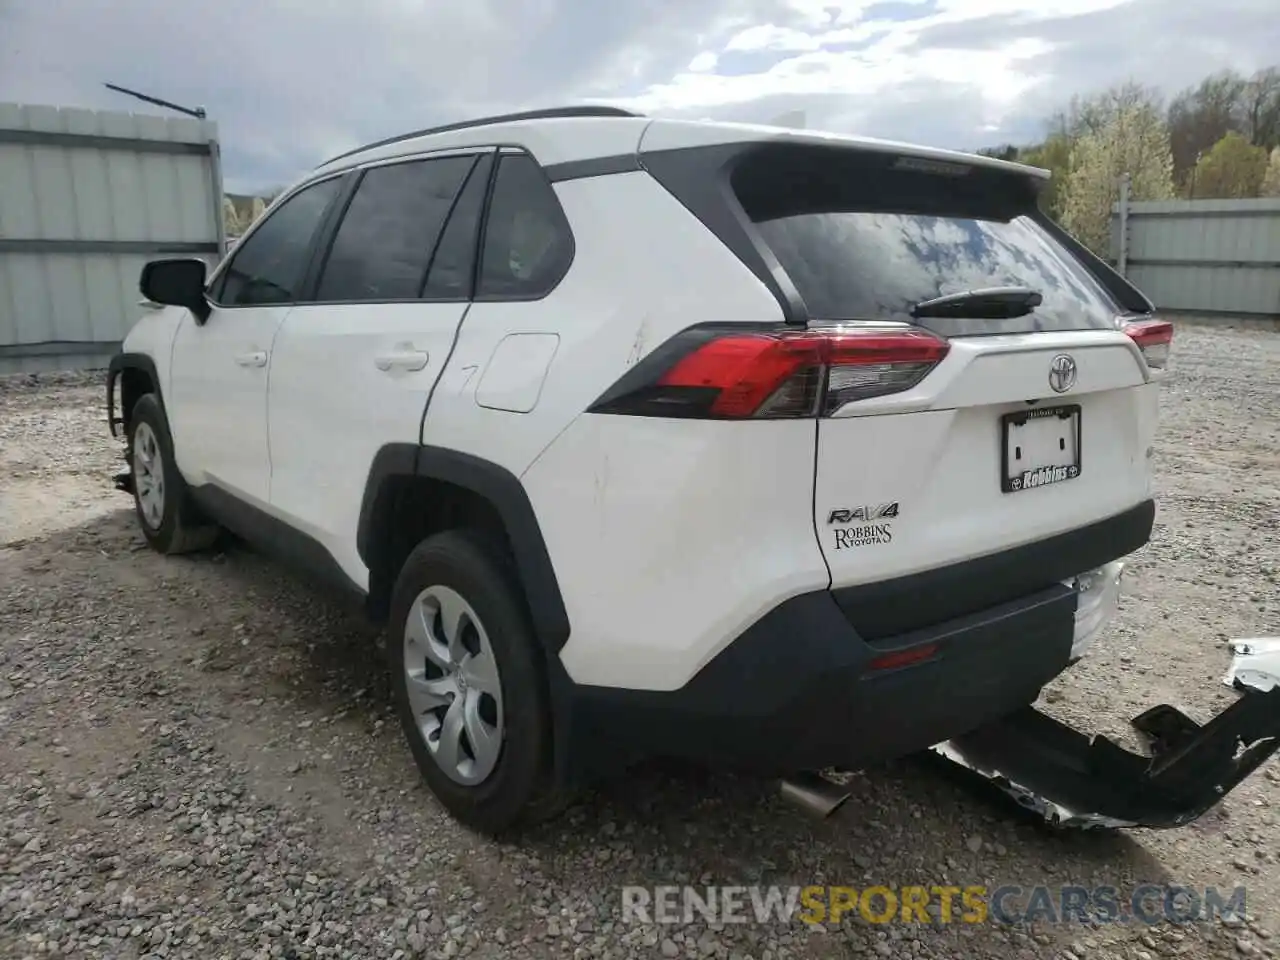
{"x":291,"y":82}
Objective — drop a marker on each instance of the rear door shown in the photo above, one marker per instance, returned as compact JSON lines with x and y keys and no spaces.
{"x":1030,"y":424}
{"x":354,"y":367}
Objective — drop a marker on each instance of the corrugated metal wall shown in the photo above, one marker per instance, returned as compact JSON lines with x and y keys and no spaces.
{"x":86,"y":198}
{"x":1210,"y":258}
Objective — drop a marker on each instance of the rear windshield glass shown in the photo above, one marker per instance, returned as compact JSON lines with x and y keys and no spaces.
{"x":876,"y":266}
{"x":866,"y":235}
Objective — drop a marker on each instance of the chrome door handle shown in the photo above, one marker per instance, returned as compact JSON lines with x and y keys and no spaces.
{"x":258,"y":358}
{"x":402,"y":360}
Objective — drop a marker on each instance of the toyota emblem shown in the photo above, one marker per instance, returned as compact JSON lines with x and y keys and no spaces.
{"x":1062,"y":373}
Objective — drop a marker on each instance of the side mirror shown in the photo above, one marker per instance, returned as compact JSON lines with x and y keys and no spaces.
{"x":177,"y":282}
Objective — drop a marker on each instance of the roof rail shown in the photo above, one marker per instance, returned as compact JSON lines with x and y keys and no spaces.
{"x":549,"y":113}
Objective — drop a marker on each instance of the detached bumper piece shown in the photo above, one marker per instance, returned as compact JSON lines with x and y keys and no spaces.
{"x":1074,"y":780}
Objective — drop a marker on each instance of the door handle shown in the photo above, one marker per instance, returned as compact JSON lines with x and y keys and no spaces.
{"x":258,"y":358}
{"x":402,"y":360}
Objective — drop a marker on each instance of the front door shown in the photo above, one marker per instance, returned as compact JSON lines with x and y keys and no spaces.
{"x":217,"y":401}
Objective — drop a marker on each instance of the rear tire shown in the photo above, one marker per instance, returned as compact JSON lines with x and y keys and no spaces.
{"x":168,"y":518}
{"x":469,"y":684}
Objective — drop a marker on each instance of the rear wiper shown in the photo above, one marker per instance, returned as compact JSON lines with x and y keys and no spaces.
{"x":988,"y":303}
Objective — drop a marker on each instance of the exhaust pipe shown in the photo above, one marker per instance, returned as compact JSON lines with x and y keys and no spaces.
{"x":813,"y":794}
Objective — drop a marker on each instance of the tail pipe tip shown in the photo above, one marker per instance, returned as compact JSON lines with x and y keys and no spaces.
{"x":813,"y":794}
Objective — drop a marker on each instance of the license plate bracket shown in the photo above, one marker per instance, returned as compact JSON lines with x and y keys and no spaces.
{"x":1039,"y":447}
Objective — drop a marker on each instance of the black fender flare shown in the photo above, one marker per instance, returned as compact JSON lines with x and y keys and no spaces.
{"x":119,"y":363}
{"x":506,"y":493}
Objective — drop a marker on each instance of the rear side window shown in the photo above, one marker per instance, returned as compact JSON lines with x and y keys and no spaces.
{"x":384,"y":245}
{"x":268,"y":267}
{"x":871,"y":247}
{"x":527,"y":243}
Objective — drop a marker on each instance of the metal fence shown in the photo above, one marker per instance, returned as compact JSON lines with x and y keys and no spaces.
{"x":86,"y":198}
{"x":1216,"y":259}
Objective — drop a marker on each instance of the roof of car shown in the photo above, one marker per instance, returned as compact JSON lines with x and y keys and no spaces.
{"x":566,"y":134}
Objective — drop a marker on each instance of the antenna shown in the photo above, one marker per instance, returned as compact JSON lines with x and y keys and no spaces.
{"x":197,"y":112}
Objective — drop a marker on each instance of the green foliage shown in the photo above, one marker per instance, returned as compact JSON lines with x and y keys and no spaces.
{"x":1218,"y":138}
{"x":1232,"y":168}
{"x":1132,"y":141}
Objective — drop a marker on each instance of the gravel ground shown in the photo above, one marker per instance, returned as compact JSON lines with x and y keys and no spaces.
{"x":198,"y":756}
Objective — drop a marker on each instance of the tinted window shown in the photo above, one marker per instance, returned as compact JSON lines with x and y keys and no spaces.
{"x":876,"y":266}
{"x":268,"y":266}
{"x":387,"y":236}
{"x":527,"y":243}
{"x":450,"y":275}
{"x":868,"y":234}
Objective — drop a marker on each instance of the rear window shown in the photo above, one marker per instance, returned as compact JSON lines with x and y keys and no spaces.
{"x":863,"y":240}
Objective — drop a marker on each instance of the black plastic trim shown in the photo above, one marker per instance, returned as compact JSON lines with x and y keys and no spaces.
{"x":699,"y":178}
{"x":274,"y":537}
{"x":1125,"y":294}
{"x":594,"y":167}
{"x":905,"y":603}
{"x":499,"y":487}
{"x":326,"y":234}
{"x":551,"y":113}
{"x":127,"y":361}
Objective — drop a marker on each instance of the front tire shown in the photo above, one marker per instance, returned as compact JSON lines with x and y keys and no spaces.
{"x":468,"y":683}
{"x":168,"y":518}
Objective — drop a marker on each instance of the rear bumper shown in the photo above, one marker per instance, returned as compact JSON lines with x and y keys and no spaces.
{"x":799,"y":690}
{"x":1072,"y":779}
{"x":807,"y":686}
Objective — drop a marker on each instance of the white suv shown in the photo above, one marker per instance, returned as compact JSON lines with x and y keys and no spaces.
{"x":762,"y":447}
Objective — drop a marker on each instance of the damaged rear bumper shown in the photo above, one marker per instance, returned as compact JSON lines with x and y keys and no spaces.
{"x":1075,"y":780}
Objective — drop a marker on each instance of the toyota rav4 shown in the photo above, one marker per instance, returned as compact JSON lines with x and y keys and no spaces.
{"x":772,"y":449}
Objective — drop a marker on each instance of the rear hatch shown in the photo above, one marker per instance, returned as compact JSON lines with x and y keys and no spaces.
{"x":1023,"y":412}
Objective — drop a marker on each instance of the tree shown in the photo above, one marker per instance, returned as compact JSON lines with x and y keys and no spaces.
{"x":1005,"y":151}
{"x":1233,"y":167}
{"x":1223,"y":103}
{"x":1271,"y":179}
{"x":1094,"y":114}
{"x":1201,"y":116}
{"x":1135,"y":141}
{"x":1261,"y":108}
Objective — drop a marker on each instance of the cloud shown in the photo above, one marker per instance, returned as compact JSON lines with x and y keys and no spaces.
{"x":291,"y":82}
{"x":964,"y":73}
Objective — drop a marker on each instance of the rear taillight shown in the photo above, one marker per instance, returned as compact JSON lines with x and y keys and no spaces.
{"x":718,"y":371}
{"x":1154,"y":338}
